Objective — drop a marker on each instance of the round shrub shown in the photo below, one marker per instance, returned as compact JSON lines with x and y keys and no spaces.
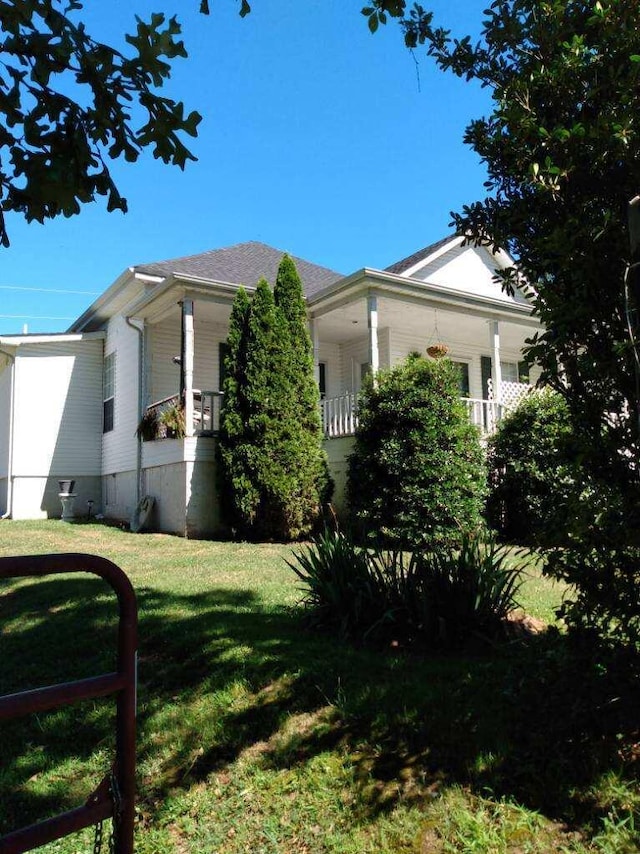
{"x":416,"y":476}
{"x":531,"y":471}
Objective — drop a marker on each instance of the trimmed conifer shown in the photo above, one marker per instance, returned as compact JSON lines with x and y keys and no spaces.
{"x":235,"y":488}
{"x":272,"y":467}
{"x":416,"y":476}
{"x":313,"y":481}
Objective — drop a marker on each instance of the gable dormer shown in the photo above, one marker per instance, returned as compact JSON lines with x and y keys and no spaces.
{"x":459,"y":268}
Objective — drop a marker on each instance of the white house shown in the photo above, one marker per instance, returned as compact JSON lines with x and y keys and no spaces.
{"x":70,"y":404}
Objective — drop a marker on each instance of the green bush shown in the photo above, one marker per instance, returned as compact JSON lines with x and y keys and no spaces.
{"x":416,"y":476}
{"x":532,"y":472}
{"x":273,"y":474}
{"x":441,"y":597}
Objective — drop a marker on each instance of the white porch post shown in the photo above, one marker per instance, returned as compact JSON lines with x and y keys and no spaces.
{"x":313,"y":331}
{"x":187,"y":367}
{"x":496,"y":370}
{"x":372,"y":323}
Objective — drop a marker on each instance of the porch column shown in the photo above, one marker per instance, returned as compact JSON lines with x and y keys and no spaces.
{"x":187,"y":363}
{"x":372,"y":323}
{"x":313,"y":331}
{"x":496,"y":371}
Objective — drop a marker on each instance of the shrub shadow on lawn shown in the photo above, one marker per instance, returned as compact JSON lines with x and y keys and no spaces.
{"x":222,"y":674}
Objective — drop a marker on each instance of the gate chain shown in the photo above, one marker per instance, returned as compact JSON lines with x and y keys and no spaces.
{"x":97,"y":839}
{"x":117,"y":810}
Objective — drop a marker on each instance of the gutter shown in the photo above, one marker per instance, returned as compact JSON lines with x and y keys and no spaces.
{"x":140,"y":332}
{"x":12,"y":395}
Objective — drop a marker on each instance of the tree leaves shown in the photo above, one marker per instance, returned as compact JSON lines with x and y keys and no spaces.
{"x":53,"y":144}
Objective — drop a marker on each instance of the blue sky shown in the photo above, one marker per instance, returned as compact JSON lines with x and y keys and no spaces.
{"x":317,"y":138}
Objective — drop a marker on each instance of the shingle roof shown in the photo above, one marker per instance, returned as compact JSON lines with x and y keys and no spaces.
{"x":242,"y":264}
{"x":420,"y":255}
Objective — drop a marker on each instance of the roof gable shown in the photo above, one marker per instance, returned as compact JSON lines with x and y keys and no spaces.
{"x":461,"y":268}
{"x":241,"y":264}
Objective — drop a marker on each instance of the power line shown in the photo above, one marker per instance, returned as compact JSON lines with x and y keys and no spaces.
{"x":34,"y":317}
{"x":47,"y":290}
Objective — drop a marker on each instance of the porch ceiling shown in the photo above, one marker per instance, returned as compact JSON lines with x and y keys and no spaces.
{"x":206,"y":310}
{"x":418,"y":321}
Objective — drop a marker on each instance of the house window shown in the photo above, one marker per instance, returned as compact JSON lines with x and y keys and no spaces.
{"x":463,"y":381}
{"x":108,"y":392}
{"x":509,"y":372}
{"x":322,"y":379}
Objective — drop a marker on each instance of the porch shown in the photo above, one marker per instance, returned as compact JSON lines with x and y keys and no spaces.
{"x":339,"y":415}
{"x":356,"y":330}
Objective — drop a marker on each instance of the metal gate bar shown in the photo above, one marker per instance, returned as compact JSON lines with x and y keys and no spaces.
{"x":100,"y":805}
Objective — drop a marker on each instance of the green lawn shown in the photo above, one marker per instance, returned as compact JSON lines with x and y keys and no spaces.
{"x":256,"y":736}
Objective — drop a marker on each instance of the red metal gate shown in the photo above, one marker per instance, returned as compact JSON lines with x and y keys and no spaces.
{"x":115,"y":795}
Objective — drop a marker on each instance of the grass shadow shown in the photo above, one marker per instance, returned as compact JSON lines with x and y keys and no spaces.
{"x":223,"y":674}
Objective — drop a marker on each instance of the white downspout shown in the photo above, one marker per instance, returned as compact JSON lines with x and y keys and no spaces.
{"x":12,"y":395}
{"x":140,"y":332}
{"x":372,"y":323}
{"x":496,"y":369}
{"x":189,"y":343}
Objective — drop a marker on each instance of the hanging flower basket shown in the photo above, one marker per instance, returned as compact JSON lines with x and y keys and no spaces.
{"x":437,"y":351}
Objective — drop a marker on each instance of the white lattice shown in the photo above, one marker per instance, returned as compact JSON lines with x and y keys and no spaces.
{"x":512,"y":393}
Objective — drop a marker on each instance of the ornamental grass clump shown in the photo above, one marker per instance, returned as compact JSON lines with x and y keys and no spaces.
{"x":440,"y":597}
{"x":342,"y":585}
{"x":460,"y":592}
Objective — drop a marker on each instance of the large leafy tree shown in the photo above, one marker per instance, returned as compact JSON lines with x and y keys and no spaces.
{"x":69,"y":103}
{"x":562,"y":151}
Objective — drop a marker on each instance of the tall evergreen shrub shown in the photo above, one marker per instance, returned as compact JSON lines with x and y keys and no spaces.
{"x":237,"y":493}
{"x":532,"y":472}
{"x":272,"y":468}
{"x":416,"y":476}
{"x":314,"y":483}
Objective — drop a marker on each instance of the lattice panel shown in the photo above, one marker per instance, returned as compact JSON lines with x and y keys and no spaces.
{"x":512,"y":393}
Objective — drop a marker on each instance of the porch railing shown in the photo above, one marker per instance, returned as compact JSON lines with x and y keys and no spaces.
{"x":206,"y":415}
{"x":340,"y":414}
{"x":484,"y":414}
{"x":206,"y":412}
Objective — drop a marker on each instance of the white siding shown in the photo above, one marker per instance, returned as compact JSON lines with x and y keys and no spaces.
{"x":164,"y":343}
{"x":5,"y":408}
{"x":466,"y":268}
{"x":206,"y":366}
{"x":120,"y":444}
{"x":58,"y":409}
{"x":354,"y":354}
{"x":470,"y":350}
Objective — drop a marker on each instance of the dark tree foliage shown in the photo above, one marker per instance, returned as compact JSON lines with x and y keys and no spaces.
{"x":416,"y":476}
{"x":69,"y":103}
{"x":533,"y":476}
{"x":562,"y":152}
